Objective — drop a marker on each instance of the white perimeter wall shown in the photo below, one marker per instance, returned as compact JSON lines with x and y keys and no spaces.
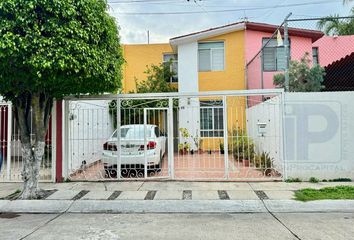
{"x":269,"y":113}
{"x":90,"y":125}
{"x":319,"y":134}
{"x":189,"y":113}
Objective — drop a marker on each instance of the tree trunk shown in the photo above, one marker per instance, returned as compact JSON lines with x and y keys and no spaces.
{"x":32,"y":113}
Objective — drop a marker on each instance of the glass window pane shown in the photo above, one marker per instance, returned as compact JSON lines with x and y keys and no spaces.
{"x":281,"y":58}
{"x":204,"y":60}
{"x":269,"y":56}
{"x":209,"y":45}
{"x":217,"y":59}
{"x":218,"y":119}
{"x":206,"y":118}
{"x":169,"y":56}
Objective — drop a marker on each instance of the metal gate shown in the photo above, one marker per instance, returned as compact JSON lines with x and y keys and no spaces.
{"x":10,"y":149}
{"x":233,"y":135}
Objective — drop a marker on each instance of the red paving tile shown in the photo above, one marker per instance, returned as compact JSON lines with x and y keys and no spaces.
{"x":186,"y":167}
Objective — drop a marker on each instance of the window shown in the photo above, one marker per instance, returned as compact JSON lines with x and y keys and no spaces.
{"x":211,"y":56}
{"x":211,"y":119}
{"x":273,"y":56}
{"x":167,"y":57}
{"x":315,"y":55}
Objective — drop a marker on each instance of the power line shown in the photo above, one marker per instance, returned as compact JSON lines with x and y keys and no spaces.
{"x":230,"y":10}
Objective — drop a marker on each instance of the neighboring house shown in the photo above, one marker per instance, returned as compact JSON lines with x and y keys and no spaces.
{"x":336,"y":55}
{"x":333,"y":48}
{"x":216,"y":60}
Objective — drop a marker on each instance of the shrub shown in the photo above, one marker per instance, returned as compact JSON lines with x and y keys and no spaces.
{"x":290,"y":180}
{"x":314,"y":180}
{"x":242,"y":145}
{"x":263,"y":161}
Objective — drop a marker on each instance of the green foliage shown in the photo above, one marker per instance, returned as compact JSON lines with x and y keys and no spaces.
{"x":302,"y":77}
{"x":243,"y":147}
{"x":290,"y":180}
{"x":339,"y":192}
{"x":58,"y":47}
{"x":331,"y":25}
{"x":221,"y":146}
{"x":314,"y":180}
{"x":263,"y":161}
{"x":158,"y":79}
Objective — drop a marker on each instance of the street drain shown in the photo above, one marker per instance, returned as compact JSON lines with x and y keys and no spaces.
{"x":114,"y":195}
{"x":223,"y":195}
{"x":9,"y":215}
{"x":47,"y":193}
{"x":261,"y":195}
{"x":80,"y":195}
{"x":187,"y":195}
{"x":150,"y":195}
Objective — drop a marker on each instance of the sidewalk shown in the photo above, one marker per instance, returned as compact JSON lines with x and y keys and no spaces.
{"x":161,"y":197}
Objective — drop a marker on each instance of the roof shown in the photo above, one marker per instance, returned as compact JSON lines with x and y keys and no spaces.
{"x":340,"y":75}
{"x":333,"y":48}
{"x":238,"y":26}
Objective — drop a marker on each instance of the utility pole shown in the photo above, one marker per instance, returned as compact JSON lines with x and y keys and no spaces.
{"x":148,"y":36}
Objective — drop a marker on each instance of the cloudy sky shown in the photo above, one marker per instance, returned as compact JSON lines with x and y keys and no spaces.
{"x":170,"y":18}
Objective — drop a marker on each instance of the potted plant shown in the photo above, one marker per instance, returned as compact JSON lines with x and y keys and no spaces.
{"x":198,"y":143}
{"x":183,"y":148}
{"x":221,"y":147}
{"x":243,"y":147}
{"x":264,"y":162}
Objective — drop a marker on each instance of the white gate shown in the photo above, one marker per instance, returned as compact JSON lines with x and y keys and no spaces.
{"x":10,"y":149}
{"x":233,"y":135}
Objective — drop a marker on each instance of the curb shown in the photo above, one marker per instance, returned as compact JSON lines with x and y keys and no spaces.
{"x":174,"y":206}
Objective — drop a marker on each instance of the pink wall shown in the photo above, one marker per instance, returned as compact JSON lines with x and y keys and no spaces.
{"x":299,"y":46}
{"x":331,"y":49}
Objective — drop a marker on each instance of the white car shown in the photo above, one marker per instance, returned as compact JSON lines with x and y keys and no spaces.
{"x":132,"y":147}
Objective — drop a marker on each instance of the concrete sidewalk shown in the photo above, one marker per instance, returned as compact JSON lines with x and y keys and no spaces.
{"x":172,"y":197}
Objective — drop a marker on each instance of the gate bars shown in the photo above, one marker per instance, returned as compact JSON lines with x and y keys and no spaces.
{"x":224,"y":135}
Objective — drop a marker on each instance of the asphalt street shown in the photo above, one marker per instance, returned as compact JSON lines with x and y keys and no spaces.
{"x":178,"y":226}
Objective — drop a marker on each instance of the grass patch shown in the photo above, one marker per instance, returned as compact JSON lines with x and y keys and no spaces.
{"x":339,"y":192}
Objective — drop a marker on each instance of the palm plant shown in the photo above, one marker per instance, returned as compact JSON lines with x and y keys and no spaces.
{"x":332,"y":25}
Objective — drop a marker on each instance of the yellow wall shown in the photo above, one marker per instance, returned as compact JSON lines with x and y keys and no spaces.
{"x":138,"y":57}
{"x":232,"y":78}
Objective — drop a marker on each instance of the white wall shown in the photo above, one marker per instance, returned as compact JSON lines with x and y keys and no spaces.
{"x":189,"y":113}
{"x":90,"y":125}
{"x":267,"y":112}
{"x":319,"y":135}
{"x":319,"y":130}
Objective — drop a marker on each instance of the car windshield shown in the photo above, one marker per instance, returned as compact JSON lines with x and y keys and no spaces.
{"x":134,"y":132}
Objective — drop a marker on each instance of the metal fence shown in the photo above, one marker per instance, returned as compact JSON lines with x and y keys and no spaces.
{"x":11,"y":162}
{"x":206,"y":136}
{"x":333,"y":51}
{"x":304,"y":55}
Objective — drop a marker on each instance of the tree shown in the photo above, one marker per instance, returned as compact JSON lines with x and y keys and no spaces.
{"x":49,"y":49}
{"x":158,"y":79}
{"x":332,"y":25}
{"x":302,"y":77}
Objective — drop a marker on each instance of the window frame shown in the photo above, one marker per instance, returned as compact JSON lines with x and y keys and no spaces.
{"x":276,"y":59}
{"x":173,"y":61}
{"x":317,"y":56}
{"x":211,"y":56}
{"x":211,"y":132}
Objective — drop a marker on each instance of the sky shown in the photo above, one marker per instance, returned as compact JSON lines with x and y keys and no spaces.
{"x":165,"y":19}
